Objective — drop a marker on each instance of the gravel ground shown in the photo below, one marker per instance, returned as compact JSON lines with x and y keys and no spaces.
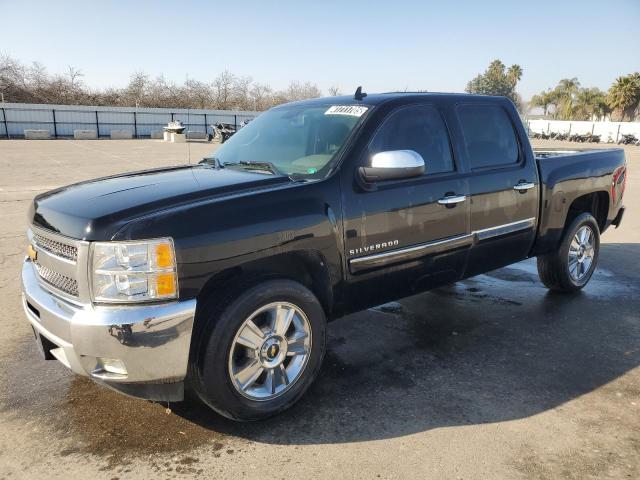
{"x":491,"y":378}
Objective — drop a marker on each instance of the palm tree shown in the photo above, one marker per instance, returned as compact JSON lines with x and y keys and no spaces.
{"x":566,"y":92}
{"x":624,"y":95}
{"x":545,"y":100}
{"x":589,"y":103}
{"x":514,"y":74}
{"x":601,"y":108}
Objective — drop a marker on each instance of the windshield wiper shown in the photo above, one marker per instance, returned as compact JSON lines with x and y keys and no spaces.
{"x":211,"y":161}
{"x":246,"y":163}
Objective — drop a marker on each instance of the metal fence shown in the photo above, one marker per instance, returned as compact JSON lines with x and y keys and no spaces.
{"x":62,"y":120}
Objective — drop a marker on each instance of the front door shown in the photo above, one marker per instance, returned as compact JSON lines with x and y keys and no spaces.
{"x":407,"y":235}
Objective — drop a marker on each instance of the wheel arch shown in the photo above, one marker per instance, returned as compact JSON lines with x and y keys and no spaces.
{"x":556,"y":217}
{"x":307,"y":267}
{"x":595,"y":203}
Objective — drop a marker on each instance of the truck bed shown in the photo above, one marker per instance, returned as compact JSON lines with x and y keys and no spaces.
{"x":566,"y":175}
{"x":561,"y":152}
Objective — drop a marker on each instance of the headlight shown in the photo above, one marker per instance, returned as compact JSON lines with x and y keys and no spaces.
{"x":137,"y":271}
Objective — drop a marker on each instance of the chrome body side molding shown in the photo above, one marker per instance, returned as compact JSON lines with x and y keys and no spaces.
{"x":505,"y":229}
{"x":408,"y":253}
{"x":413,"y":252}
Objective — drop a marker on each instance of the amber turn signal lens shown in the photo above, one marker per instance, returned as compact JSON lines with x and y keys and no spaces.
{"x":31,"y":252}
{"x":164,"y":255}
{"x":165,"y":284}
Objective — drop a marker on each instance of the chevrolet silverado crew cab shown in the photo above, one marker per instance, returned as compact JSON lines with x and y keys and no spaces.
{"x":220,"y":277}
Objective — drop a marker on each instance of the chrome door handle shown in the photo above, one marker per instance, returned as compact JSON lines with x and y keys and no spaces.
{"x":523,"y":186}
{"x":452,"y":199}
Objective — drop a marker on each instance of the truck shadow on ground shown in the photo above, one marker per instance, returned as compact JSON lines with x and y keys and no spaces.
{"x":493,"y":348}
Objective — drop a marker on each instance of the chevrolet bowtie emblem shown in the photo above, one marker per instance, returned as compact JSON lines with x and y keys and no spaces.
{"x":31,"y":252}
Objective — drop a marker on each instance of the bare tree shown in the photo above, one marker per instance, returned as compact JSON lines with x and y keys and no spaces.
{"x":197,"y":94}
{"x":33,"y":84}
{"x":75,"y":76}
{"x":241,"y":95}
{"x":334,"y":91}
{"x":223,"y":90}
{"x":261,"y":97}
{"x":136,"y":91}
{"x":302,"y":91}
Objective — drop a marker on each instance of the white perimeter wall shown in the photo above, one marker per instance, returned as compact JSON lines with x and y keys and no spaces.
{"x":606,"y":130}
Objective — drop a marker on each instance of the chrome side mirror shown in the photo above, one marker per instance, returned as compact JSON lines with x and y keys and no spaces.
{"x":393,"y":165}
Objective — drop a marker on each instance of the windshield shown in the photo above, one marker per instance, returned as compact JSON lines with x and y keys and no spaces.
{"x":298,"y":141}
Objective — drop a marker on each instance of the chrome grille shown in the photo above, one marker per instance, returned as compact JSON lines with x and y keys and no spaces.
{"x":57,"y":280}
{"x":56,"y":248}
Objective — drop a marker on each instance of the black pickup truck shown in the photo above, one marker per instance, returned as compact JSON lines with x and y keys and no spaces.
{"x":220,"y":277}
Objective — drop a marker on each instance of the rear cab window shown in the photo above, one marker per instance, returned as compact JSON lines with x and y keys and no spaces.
{"x":489,"y":136}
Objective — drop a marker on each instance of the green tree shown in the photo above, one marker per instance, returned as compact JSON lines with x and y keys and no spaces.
{"x":544,"y":100}
{"x":566,"y":93}
{"x":497,"y":80}
{"x":590,"y":102}
{"x":514,"y":74}
{"x":624,"y":95}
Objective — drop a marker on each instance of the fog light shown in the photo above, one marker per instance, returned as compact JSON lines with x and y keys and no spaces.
{"x":112,"y":365}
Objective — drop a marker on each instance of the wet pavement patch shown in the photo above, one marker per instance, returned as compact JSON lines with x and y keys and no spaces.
{"x":115,"y":427}
{"x":91,"y":419}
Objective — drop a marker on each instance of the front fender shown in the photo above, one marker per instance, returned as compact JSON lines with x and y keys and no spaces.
{"x":213,"y":236}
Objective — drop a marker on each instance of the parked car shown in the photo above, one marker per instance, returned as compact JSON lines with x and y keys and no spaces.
{"x":221,"y":277}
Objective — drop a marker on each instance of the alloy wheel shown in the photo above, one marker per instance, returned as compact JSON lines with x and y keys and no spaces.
{"x":270,"y":351}
{"x":581,"y":253}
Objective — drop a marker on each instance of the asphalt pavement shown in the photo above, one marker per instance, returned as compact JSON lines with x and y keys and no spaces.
{"x":493,"y":377}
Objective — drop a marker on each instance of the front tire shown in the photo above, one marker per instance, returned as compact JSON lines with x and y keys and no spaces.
{"x":570,"y":268}
{"x":264,"y":350}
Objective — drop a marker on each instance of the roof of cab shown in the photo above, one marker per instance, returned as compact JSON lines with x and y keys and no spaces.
{"x":379,"y":98}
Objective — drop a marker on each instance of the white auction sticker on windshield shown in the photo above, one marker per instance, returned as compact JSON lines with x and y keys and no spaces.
{"x":352,"y":110}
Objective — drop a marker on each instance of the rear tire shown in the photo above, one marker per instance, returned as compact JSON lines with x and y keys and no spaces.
{"x":570,"y":268}
{"x":264,"y":350}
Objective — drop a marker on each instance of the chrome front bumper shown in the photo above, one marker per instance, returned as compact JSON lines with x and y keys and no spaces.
{"x":152,"y":341}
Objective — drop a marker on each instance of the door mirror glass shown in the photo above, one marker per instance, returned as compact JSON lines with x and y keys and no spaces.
{"x":393,"y":165}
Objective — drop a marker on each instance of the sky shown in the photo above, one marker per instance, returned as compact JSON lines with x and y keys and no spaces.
{"x":381,"y":45}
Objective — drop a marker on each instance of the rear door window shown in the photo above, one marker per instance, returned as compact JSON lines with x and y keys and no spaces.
{"x":419,"y":128}
{"x":489,"y":136}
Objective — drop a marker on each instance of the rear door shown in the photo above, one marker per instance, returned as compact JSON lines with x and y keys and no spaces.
{"x":503,"y":185}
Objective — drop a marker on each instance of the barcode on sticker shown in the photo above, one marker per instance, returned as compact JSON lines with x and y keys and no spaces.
{"x":352,"y":110}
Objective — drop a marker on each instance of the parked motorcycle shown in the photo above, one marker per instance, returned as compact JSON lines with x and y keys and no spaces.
{"x":222,"y":131}
{"x":540,"y":135}
{"x":559,"y":136}
{"x":584,"y":138}
{"x":628,"y":139}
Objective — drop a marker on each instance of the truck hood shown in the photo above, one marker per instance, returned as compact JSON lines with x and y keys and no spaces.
{"x":97,"y":209}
